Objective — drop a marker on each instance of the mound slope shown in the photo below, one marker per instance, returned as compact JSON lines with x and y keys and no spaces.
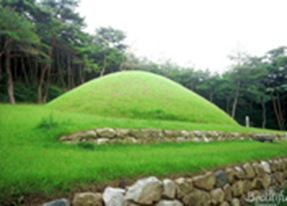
{"x":141,"y":95}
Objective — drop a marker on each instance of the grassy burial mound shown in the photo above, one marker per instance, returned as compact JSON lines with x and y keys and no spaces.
{"x":141,"y":95}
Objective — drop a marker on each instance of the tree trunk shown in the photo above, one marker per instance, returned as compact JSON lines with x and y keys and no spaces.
{"x":69,"y":72}
{"x":211,"y":94}
{"x":34,"y":74}
{"x":14,"y":65}
{"x":10,"y":83}
{"x":234,"y":106}
{"x":47,"y":85}
{"x":24,"y":72}
{"x":278,"y":114}
{"x":227,"y":108}
{"x":263,"y":115}
{"x":40,"y":84}
{"x":43,"y":72}
{"x":281,"y":113}
{"x":104,"y":66}
{"x":1,"y":72}
{"x":81,"y":75}
{"x":1,"y":69}
{"x":61,"y":72}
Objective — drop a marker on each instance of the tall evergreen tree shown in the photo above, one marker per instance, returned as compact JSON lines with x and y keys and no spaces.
{"x":16,"y":34}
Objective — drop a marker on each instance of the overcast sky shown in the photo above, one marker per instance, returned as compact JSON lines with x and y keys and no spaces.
{"x":192,"y":32}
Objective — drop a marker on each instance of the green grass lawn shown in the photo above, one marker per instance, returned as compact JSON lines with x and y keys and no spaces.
{"x":135,"y":94}
{"x":32,"y":161}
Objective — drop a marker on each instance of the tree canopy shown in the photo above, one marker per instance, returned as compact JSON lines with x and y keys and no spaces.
{"x":45,"y":52}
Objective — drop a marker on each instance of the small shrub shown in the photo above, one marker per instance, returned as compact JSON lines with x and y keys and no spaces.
{"x":86,"y":145}
{"x":48,"y":122}
{"x":25,"y":93}
{"x":54,"y":92}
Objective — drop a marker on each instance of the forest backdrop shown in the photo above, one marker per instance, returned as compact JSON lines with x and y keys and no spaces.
{"x":45,"y":52}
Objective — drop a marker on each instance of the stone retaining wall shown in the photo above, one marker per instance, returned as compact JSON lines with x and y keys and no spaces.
{"x":230,"y":186}
{"x":111,"y":135}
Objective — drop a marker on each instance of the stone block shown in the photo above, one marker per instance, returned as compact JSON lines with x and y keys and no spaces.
{"x":220,"y":178}
{"x":145,"y":191}
{"x":88,"y":199}
{"x":237,"y":188}
{"x":248,"y":171}
{"x":184,"y":186}
{"x":169,"y":189}
{"x":114,"y":197}
{"x":217,"y":196}
{"x":266,"y":166}
{"x":230,"y":173}
{"x":239,"y":173}
{"x":197,"y":198}
{"x":258,"y":169}
{"x":205,"y":182}
{"x":227,"y":192}
{"x":106,"y":133}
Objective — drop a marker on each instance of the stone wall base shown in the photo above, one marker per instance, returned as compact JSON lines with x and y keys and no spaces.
{"x":236,"y":185}
{"x":112,"y":135}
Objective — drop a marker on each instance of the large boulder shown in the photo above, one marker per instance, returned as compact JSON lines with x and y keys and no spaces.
{"x":217,"y":196}
{"x":114,"y":197}
{"x":197,"y":198}
{"x":169,"y":189}
{"x":145,"y":191}
{"x":184,"y":186}
{"x":205,"y":182}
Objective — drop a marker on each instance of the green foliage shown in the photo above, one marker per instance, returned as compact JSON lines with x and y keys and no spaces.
{"x":13,"y":26}
{"x":48,"y":122}
{"x":55,"y":92}
{"x":26,"y":93}
{"x":86,"y":145}
{"x":111,"y":37}
{"x":3,"y":92}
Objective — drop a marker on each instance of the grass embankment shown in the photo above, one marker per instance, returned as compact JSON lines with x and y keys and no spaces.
{"x":137,"y":94}
{"x":32,"y":161}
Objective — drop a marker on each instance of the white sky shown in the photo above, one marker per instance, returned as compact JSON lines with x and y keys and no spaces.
{"x":192,"y":32}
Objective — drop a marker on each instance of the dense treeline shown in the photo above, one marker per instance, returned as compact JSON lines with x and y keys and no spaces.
{"x":254,"y":87}
{"x":42,"y":43}
{"x":45,"y":52}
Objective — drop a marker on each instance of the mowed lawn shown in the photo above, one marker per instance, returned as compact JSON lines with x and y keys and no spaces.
{"x":138,"y":94}
{"x":33,"y":162}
